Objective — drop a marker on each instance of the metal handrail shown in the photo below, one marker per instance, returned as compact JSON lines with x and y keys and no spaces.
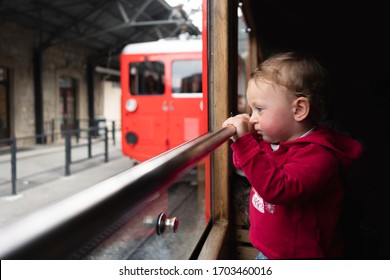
{"x":59,"y":229}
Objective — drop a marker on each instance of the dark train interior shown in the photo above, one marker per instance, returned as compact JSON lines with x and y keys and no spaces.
{"x":350,"y":40}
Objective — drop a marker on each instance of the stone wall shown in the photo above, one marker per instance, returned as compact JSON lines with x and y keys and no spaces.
{"x":68,"y":59}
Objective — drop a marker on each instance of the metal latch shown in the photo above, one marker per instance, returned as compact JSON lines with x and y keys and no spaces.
{"x":162,"y":223}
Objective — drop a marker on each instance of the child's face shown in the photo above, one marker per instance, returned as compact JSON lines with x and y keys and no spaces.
{"x":272,"y":112}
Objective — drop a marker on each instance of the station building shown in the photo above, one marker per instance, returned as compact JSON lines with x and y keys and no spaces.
{"x":59,"y":61}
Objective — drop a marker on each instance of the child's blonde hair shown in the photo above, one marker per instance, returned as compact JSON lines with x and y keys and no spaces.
{"x":301,"y":75}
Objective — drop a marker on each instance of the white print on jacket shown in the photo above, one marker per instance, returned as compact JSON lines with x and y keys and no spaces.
{"x":259,"y":204}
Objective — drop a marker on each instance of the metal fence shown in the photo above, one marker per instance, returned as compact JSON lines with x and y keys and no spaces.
{"x":68,"y":139}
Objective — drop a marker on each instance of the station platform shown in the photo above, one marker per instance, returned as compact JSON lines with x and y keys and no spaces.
{"x":41,"y":178}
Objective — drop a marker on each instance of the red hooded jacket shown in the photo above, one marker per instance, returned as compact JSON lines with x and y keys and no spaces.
{"x":297,"y":192}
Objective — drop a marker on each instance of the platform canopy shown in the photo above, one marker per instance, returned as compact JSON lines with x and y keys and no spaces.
{"x":105,"y":25}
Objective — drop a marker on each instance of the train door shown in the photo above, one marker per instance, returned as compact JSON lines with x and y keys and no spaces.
{"x":145,"y":108}
{"x":187,"y":118}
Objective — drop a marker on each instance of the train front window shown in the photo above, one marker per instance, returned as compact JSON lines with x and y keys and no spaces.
{"x":187,"y":76}
{"x":146,"y":78}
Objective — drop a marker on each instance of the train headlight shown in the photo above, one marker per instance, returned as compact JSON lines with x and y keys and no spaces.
{"x":131,"y":105}
{"x":131,"y":138}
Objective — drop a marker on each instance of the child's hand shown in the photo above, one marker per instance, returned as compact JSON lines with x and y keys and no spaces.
{"x":241,"y":123}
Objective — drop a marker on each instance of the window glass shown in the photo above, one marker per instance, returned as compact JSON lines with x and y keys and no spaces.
{"x":187,"y":76}
{"x":134,"y":236}
{"x":243,"y":63}
{"x":68,"y":102}
{"x":146,"y":78}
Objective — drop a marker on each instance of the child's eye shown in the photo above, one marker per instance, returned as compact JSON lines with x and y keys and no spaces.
{"x":256,"y":110}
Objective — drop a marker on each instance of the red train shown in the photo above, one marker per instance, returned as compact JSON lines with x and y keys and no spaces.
{"x":162,"y":100}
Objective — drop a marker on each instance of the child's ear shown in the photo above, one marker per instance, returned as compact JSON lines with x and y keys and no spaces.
{"x":301,"y":108}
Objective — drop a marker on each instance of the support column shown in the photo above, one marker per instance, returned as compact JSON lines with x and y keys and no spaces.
{"x":90,"y":90}
{"x":38,"y":95}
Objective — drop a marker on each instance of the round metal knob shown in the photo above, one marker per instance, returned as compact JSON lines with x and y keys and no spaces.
{"x":163,"y":222}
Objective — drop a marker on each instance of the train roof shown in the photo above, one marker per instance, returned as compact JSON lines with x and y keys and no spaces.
{"x":176,"y":45}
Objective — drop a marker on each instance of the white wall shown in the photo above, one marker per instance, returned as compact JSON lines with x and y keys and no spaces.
{"x":111,"y":101}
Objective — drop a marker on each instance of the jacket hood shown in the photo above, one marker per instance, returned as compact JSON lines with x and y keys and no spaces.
{"x":347,"y":149}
